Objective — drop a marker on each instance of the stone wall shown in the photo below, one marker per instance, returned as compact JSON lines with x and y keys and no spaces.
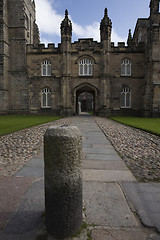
{"x":4,"y":55}
{"x":21,"y":23}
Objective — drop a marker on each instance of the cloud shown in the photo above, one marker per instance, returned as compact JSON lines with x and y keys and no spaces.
{"x":48,"y":19}
{"x":49,"y":22}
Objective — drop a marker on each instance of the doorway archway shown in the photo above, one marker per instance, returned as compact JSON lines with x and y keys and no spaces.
{"x":85,"y":98}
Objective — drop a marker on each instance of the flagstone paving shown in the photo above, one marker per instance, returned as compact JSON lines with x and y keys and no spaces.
{"x":112,"y":197}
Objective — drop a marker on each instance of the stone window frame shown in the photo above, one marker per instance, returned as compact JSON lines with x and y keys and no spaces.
{"x":46,"y":68}
{"x":125,"y":97}
{"x":46,"y":97}
{"x":85,"y":67}
{"x":126,"y":67}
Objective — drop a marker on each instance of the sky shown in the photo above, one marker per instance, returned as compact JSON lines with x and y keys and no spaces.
{"x":86,"y":16}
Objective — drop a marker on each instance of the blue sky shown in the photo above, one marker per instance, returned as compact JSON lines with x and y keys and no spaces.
{"x":86,"y":16}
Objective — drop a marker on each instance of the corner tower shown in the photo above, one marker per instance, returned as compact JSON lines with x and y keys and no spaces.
{"x":152,"y":74}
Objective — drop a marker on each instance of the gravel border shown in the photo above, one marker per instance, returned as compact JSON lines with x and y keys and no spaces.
{"x":140,"y":150}
{"x":19,"y":147}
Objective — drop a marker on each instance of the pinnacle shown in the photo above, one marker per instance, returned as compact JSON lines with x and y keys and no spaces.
{"x":106,"y":12}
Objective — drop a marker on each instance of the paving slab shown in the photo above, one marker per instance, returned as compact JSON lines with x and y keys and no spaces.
{"x":12,"y":190}
{"x":99,"y":150}
{"x":146,"y":199}
{"x":98,"y":156}
{"x":28,"y":171}
{"x":107,"y":175}
{"x":101,"y":146}
{"x":29,"y":214}
{"x":106,"y":205}
{"x":123,"y":234}
{"x":101,"y":140}
{"x":104,"y":165}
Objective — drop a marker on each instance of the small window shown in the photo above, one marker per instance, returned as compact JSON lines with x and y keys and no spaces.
{"x":46,"y":68}
{"x":125,"y":98}
{"x":126,"y":67}
{"x":85,"y":67}
{"x":46,"y":98}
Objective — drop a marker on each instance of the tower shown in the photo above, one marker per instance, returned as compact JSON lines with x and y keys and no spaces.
{"x":4,"y":57}
{"x":152,"y":89}
{"x":105,"y":33}
{"x":66,"y":36}
{"x":17,"y":28}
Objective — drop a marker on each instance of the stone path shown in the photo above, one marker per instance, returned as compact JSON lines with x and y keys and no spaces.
{"x":112,"y":196}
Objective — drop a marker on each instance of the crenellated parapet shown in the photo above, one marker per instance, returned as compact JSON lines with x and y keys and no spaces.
{"x":121,"y":47}
{"x":41,"y":48}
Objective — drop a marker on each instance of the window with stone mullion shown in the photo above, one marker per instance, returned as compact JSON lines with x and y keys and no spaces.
{"x":85,"y":67}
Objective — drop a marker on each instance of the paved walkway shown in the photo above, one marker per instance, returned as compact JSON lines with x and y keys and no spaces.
{"x":111,"y":196}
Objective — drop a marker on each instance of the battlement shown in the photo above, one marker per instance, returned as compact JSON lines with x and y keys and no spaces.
{"x":122,"y":47}
{"x":41,"y":48}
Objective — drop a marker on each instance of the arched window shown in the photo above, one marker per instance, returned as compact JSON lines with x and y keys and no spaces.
{"x":46,"y":98}
{"x":125,"y":98}
{"x":126,"y":67}
{"x":46,"y":68}
{"x":85,"y":67}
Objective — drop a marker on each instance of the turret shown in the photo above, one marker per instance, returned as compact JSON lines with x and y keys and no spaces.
{"x":154,"y":7}
{"x":130,"y":39}
{"x":106,"y":27}
{"x":66,"y":28}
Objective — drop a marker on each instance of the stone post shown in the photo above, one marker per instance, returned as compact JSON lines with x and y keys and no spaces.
{"x":63,"y":182}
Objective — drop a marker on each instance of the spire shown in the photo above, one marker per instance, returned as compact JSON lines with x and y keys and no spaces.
{"x":130,"y":39}
{"x":66,"y":25}
{"x":105,"y":12}
{"x":105,"y":26}
{"x":66,"y":13}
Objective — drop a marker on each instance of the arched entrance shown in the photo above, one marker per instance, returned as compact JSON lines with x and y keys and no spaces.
{"x":85,"y":98}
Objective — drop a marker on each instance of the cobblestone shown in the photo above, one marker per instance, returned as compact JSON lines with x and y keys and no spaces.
{"x":19,"y":147}
{"x":140,"y":150}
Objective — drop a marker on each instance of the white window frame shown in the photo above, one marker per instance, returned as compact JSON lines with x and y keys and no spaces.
{"x":126,"y":67}
{"x":125,"y":103}
{"x":46,"y":68}
{"x":46,"y":93}
{"x":85,"y":67}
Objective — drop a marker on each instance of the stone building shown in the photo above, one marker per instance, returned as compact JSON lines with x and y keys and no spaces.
{"x":123,"y":80}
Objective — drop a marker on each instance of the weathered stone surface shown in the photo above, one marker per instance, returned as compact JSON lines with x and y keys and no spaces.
{"x":63,"y":182}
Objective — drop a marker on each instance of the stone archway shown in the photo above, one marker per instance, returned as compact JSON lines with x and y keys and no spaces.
{"x":85,"y":88}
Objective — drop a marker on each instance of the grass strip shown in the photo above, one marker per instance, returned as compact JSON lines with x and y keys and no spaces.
{"x":151,"y":125}
{"x":13,"y":123}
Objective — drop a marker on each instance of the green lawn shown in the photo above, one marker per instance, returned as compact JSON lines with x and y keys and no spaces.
{"x":12,"y":123}
{"x":151,"y":125}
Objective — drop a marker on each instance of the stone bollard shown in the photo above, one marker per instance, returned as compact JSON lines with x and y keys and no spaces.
{"x":63,"y":181}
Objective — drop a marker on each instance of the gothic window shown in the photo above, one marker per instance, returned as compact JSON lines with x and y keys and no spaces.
{"x":46,"y":68}
{"x":125,"y":98}
{"x":46,"y":98}
{"x":85,"y":67}
{"x":126,"y":67}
